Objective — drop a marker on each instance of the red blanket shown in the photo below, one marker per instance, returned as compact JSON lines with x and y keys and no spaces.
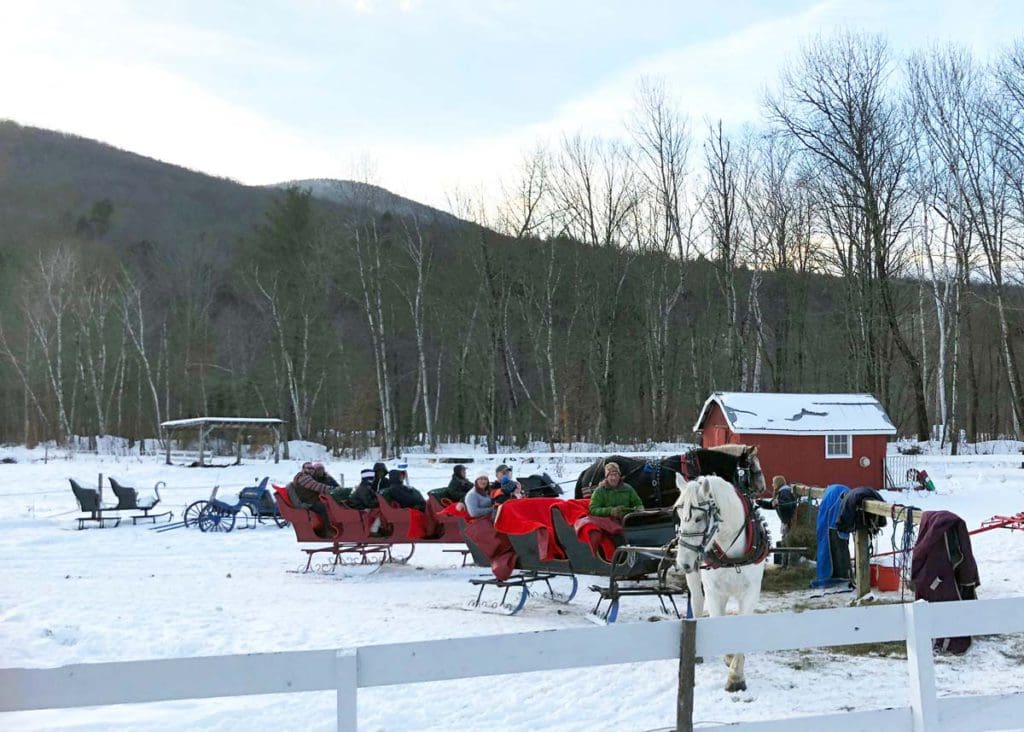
{"x":494,"y":545}
{"x":527,"y":515}
{"x":599,"y":533}
{"x":455,"y":509}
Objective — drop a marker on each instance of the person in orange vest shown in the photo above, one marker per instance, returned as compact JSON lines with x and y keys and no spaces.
{"x":505,"y":487}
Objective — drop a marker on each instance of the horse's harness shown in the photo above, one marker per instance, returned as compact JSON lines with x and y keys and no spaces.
{"x":758,"y":540}
{"x":746,"y":472}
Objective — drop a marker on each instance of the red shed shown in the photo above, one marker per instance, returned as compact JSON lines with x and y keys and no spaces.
{"x":817,"y":439}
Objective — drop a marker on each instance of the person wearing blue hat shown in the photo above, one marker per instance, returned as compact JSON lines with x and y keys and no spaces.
{"x":505,"y":487}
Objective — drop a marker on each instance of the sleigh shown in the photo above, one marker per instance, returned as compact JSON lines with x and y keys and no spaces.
{"x":366,"y":537}
{"x":552,"y":551}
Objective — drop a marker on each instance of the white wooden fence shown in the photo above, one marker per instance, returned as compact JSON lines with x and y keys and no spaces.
{"x":347,"y":670}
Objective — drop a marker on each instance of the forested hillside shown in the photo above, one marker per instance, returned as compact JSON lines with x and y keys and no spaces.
{"x":864,"y":236}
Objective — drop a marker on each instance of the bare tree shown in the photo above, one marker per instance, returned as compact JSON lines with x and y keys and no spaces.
{"x":595,"y":191}
{"x":721,"y":205}
{"x":836,"y":102}
{"x":134,"y":319}
{"x":941,"y":88}
{"x":369,"y":247}
{"x":663,"y":226}
{"x":420,"y":253}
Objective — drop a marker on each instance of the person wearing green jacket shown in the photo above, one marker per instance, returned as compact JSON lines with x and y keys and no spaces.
{"x":614,"y":498}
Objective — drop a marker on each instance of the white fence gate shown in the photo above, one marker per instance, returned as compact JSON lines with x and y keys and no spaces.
{"x":345,"y":671}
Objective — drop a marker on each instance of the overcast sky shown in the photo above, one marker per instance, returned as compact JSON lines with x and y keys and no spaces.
{"x":438,"y":94}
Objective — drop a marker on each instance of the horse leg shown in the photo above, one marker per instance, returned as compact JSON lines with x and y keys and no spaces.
{"x":693,"y":582}
{"x":748,"y":597}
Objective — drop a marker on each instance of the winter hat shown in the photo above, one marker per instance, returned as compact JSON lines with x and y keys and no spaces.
{"x":403,"y":466}
{"x":379,"y":468}
{"x":366,"y":474}
{"x":502,"y":467}
{"x":459,"y":470}
{"x":778,"y":481}
{"x":612,"y":468}
{"x":482,"y":474}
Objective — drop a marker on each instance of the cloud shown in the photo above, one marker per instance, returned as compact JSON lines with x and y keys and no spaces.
{"x":118,"y":86}
{"x":157,"y":113}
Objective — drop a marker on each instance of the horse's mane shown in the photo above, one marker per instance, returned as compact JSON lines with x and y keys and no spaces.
{"x":736,"y":451}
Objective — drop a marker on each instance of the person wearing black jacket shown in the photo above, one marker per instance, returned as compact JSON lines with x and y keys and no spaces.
{"x":364,"y":497}
{"x":783,"y":500}
{"x":380,"y":477}
{"x":404,"y":495}
{"x":457,"y":488}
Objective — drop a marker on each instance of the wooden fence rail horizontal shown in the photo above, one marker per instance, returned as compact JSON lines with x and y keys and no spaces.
{"x":346,"y":670}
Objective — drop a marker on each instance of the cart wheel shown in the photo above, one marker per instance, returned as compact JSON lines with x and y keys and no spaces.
{"x":212,"y":519}
{"x":191,"y":515}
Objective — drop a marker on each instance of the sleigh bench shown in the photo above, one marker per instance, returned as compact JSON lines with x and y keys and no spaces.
{"x":89,"y":502}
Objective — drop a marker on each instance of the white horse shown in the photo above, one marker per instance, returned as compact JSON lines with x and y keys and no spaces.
{"x":723,"y":543}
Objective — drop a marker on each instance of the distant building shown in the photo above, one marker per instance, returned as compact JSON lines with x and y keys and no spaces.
{"x":817,"y":439}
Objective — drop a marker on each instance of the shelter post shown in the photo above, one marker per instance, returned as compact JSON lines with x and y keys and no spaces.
{"x":277,"y":445}
{"x":168,"y":449}
{"x":202,"y":444}
{"x":238,"y":447}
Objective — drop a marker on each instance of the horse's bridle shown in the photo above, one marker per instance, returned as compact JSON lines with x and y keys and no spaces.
{"x":713,"y":519}
{"x":745,"y":475}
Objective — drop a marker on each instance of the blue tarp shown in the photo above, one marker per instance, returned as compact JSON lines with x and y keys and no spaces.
{"x":828,"y":514}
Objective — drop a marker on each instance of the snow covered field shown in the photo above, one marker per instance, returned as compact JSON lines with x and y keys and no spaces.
{"x":129,"y":593}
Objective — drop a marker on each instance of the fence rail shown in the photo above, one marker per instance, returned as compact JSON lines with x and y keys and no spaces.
{"x":345,"y":671}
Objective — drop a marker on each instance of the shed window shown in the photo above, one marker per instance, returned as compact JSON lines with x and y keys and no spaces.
{"x":838,"y":446}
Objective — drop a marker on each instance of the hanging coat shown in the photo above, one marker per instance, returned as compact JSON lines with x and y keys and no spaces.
{"x":943,"y":567}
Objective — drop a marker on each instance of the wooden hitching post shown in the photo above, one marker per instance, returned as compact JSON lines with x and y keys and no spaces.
{"x":862,"y":570}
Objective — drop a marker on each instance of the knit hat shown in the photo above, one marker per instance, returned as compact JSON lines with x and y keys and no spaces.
{"x":482,"y":474}
{"x":403,"y":466}
{"x":612,"y":468}
{"x":778,"y":481}
{"x":366,"y":474}
{"x":459,"y":469}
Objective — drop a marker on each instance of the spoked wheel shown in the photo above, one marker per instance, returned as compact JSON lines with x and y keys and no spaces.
{"x":191,"y":515}
{"x":213,"y":519}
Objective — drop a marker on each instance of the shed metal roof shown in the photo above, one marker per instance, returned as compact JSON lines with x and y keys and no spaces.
{"x":800,"y":414}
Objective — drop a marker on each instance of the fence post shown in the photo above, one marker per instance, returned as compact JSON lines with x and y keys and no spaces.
{"x":345,"y":670}
{"x":923,"y":702}
{"x":345,"y":674}
{"x":687,"y":672}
